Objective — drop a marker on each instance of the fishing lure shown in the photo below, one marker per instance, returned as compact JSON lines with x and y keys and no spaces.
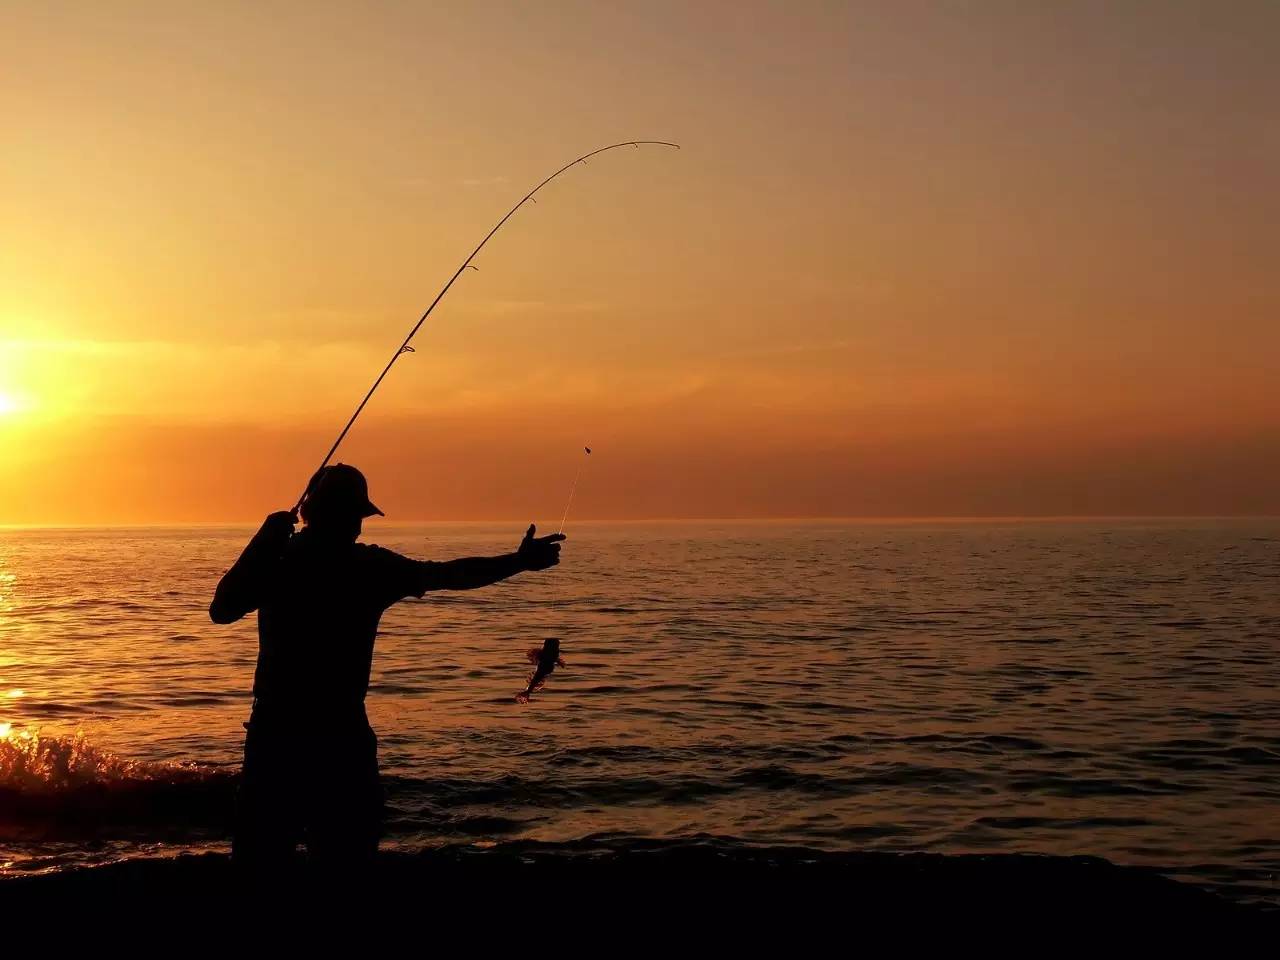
{"x":544,"y":661}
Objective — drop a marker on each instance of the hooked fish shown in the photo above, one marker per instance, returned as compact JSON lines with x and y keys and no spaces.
{"x":544,"y":661}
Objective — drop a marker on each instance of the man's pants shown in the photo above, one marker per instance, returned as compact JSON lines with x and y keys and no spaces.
{"x":314,"y":783}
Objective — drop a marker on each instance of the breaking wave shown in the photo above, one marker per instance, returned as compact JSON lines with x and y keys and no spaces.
{"x":32,"y":763}
{"x":62,"y":787}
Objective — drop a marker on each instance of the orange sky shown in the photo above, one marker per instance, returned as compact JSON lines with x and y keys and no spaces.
{"x":914,"y":258}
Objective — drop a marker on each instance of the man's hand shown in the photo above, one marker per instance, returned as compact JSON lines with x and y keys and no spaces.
{"x":241,"y":588}
{"x":282,"y":519}
{"x":278,"y":527}
{"x":538,"y":553}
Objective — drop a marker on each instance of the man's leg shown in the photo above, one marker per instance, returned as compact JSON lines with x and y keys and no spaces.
{"x":267,"y":823}
{"x":345,"y":820}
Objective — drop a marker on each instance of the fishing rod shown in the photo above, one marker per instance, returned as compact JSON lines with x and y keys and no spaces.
{"x":406,"y":348}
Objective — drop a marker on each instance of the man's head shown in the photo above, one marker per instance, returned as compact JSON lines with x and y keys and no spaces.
{"x":337,"y":500}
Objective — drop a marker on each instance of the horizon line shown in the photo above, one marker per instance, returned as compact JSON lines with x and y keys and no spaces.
{"x":836,"y":518}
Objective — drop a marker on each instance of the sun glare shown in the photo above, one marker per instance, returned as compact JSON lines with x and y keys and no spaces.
{"x":8,"y":404}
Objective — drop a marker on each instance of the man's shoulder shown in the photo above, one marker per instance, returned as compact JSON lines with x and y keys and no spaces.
{"x":373,"y":550}
{"x":395,"y":575}
{"x":374,"y":554}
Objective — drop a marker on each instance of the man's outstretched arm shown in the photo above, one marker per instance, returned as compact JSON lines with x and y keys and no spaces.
{"x":240,"y":589}
{"x":534,"y":553}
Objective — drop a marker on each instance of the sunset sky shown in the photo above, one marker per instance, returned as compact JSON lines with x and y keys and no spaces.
{"x":914,"y":259}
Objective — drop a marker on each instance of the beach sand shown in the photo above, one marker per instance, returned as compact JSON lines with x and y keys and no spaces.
{"x":699,"y":888}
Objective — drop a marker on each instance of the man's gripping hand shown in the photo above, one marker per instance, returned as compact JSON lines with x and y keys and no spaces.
{"x":278,"y":528}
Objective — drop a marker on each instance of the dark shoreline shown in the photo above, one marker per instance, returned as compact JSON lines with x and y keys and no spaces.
{"x":703,"y":883}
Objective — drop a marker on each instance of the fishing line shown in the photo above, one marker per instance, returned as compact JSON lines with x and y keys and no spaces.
{"x":406,"y":348}
{"x":546,"y":659}
{"x":573,"y":487}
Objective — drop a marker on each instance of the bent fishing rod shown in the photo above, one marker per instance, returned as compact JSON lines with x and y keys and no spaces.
{"x":406,"y":348}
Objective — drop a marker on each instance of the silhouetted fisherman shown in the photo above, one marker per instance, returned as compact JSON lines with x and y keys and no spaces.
{"x":310,"y":757}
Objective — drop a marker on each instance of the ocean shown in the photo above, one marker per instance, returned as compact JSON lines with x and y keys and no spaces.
{"x":1109,"y":689}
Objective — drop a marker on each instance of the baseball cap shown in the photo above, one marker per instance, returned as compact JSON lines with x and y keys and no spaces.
{"x":340,"y":488}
